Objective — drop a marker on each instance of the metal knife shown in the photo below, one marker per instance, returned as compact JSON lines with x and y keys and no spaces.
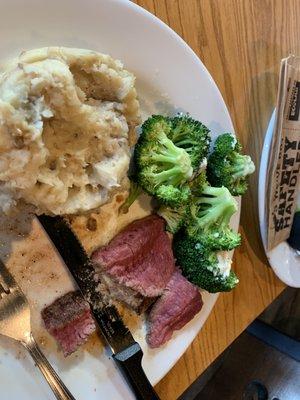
{"x":127,"y":353}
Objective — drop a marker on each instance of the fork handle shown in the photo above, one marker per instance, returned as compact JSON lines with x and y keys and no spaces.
{"x":54,"y":381}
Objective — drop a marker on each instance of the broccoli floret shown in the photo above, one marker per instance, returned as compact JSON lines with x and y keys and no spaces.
{"x":198,"y":183}
{"x":172,"y":196}
{"x":134,"y":191}
{"x":210,"y":214}
{"x":225,"y":240}
{"x":227,"y":166}
{"x":163,"y":169}
{"x":174,"y":217}
{"x":201,"y":266}
{"x":192,"y":136}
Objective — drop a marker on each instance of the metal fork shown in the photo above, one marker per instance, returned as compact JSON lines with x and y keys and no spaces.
{"x":15,"y":324}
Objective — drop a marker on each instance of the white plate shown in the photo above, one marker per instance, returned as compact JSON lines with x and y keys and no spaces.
{"x":169,"y":77}
{"x":283,"y":259}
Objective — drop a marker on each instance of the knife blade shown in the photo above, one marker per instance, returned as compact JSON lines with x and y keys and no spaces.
{"x":126,"y":351}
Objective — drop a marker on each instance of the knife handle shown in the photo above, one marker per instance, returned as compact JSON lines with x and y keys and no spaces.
{"x":130,"y":363}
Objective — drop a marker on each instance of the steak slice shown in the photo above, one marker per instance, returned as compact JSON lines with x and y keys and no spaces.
{"x":180,"y":302}
{"x":110,"y":289}
{"x":69,"y":321}
{"x":139,"y":260}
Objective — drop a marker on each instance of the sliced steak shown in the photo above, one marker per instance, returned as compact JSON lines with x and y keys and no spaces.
{"x":69,"y":321}
{"x":110,"y":289}
{"x":180,"y":302}
{"x":139,"y":260}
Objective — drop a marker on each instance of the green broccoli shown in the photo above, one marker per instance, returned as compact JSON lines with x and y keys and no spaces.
{"x":174,"y":217}
{"x":198,"y":183}
{"x":227,"y":166}
{"x":175,"y":197}
{"x":201,"y":266}
{"x":192,"y":136}
{"x":163,"y":169}
{"x":210,"y":214}
{"x":168,"y":154}
{"x":134,"y":192}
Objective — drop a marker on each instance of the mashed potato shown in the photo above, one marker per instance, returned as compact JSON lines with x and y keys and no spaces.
{"x":66,"y":116}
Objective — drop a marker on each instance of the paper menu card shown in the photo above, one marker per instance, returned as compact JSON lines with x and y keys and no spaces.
{"x":283,"y":175}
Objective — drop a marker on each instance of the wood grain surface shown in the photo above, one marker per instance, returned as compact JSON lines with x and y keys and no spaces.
{"x":241,"y":42}
{"x":246,"y":362}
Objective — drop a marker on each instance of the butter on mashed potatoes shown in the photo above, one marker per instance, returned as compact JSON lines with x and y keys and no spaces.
{"x":66,"y":116}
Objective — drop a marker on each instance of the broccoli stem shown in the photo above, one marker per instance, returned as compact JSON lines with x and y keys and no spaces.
{"x":172,"y":176}
{"x":173,"y":217}
{"x":214,"y":191}
{"x":243,"y":166}
{"x":169,"y":145}
{"x":186,"y":141}
{"x":170,"y":154}
{"x":134,"y":192}
{"x":171,"y":159}
{"x":216,"y":206}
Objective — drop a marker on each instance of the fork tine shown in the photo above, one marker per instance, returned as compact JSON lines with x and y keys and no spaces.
{"x":6,"y":276}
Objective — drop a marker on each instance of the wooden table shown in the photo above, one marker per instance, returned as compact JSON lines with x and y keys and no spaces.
{"x":241,"y":42}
